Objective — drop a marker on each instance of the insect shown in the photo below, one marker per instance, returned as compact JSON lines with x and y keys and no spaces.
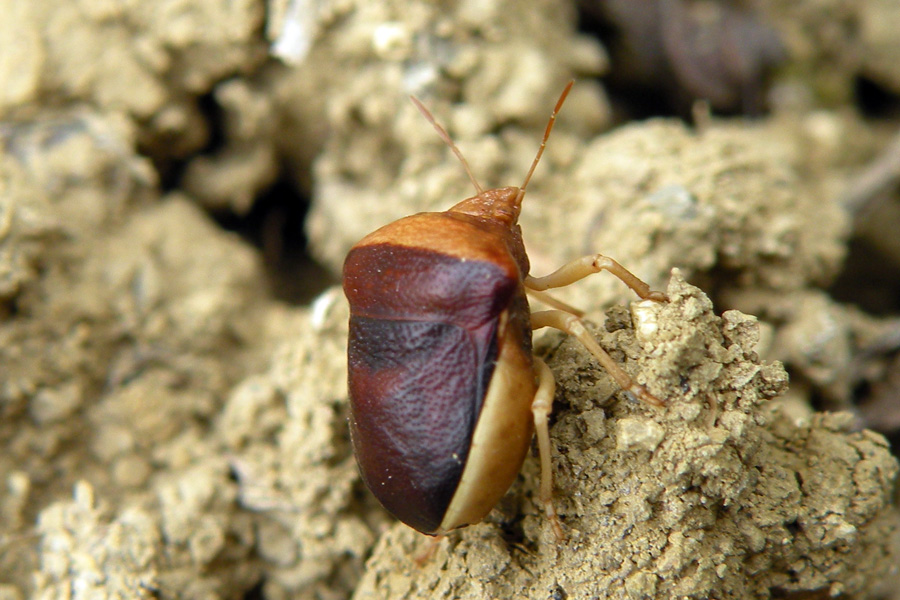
{"x":445,"y":391}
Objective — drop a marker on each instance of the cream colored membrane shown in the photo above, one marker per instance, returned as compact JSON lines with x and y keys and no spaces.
{"x":502,"y":435}
{"x":572,"y":325}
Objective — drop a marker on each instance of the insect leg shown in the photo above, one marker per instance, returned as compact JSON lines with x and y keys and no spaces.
{"x":422,"y":558}
{"x":587,"y":265}
{"x":541,"y":407}
{"x":572,"y":325}
{"x":545,"y":298}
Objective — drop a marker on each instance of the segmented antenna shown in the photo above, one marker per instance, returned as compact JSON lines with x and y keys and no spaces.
{"x":559,"y":103}
{"x":446,"y":137}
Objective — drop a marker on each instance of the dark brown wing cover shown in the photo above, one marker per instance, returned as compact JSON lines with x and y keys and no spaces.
{"x":423,"y":344}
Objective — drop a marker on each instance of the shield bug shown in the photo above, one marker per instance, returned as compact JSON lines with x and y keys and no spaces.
{"x":445,"y":391}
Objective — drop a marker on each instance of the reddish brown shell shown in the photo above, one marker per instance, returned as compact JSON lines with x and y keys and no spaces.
{"x":424,"y":342}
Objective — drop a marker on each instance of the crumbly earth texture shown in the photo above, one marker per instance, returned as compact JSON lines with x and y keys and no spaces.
{"x":717,"y":495}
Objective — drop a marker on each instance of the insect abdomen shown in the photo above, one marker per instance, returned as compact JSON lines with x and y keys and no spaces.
{"x":413,"y":413}
{"x":422,"y":350}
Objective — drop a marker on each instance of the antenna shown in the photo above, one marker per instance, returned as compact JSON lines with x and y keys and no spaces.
{"x":540,"y":152}
{"x":446,"y":137}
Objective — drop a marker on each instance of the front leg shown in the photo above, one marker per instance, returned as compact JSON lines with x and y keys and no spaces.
{"x":588,"y":265}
